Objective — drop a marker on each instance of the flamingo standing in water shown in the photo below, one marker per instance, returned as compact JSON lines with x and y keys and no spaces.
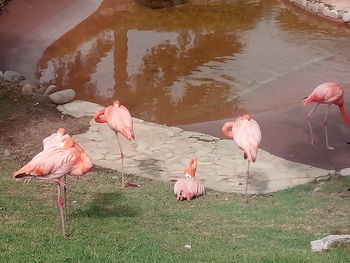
{"x":119,"y":120}
{"x":247,"y":136}
{"x":326,"y":93}
{"x":189,"y":187}
{"x":54,"y":163}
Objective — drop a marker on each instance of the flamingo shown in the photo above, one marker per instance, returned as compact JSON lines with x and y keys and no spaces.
{"x":54,"y":163}
{"x":189,"y":187}
{"x":247,"y":136}
{"x":326,"y":93}
{"x":119,"y":120}
{"x":54,"y":140}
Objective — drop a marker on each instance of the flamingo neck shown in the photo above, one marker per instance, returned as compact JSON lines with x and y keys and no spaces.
{"x":343,"y":114}
{"x":227,"y":129}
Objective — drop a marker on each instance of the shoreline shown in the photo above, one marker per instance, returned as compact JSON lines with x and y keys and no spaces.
{"x":332,"y":10}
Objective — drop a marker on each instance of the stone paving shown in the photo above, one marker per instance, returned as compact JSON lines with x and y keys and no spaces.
{"x":161,"y":152}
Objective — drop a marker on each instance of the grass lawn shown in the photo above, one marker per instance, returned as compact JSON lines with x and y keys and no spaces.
{"x":147,"y":224}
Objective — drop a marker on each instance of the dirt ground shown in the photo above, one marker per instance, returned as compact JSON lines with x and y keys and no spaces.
{"x":25,"y":120}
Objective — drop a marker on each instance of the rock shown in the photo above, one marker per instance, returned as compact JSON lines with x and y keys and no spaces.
{"x":13,"y":76}
{"x":317,"y":190}
{"x":1,"y":75}
{"x":27,"y":89}
{"x":345,"y":172}
{"x":50,"y":89}
{"x":333,"y":14}
{"x":63,"y":96}
{"x":7,"y":153}
{"x":346,"y":17}
{"x":333,"y":173}
{"x":326,"y":11}
{"x":328,"y":242}
{"x":322,"y":178}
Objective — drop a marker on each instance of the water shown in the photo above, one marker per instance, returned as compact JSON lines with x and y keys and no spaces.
{"x":194,"y":66}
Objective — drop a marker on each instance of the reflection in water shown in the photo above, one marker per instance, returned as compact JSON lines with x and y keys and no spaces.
{"x":164,"y":60}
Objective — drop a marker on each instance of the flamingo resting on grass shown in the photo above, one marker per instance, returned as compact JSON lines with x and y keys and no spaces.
{"x":326,"y":93}
{"x":247,"y":136}
{"x":54,"y":163}
{"x":189,"y":187}
{"x":119,"y":120}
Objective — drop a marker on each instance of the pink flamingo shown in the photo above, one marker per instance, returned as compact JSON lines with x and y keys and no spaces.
{"x":189,"y":187}
{"x":54,"y":163}
{"x":247,"y":136}
{"x":119,"y":120}
{"x":55,"y":139}
{"x":326,"y":93}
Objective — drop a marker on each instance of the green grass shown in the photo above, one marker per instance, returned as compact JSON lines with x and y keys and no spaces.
{"x":147,"y":224}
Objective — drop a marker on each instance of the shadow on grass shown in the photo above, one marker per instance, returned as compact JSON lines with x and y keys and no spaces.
{"x":106,"y":205}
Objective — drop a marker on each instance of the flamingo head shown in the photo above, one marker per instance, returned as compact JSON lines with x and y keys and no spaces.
{"x":190,"y":169}
{"x":67,"y":143}
{"x":61,"y":132}
{"x":246,"y":117}
{"x":116,"y":103}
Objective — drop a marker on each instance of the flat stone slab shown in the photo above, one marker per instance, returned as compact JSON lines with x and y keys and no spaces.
{"x":161,"y":152}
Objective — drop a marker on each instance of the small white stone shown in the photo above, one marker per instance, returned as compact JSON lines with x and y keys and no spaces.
{"x":325,"y":11}
{"x":187,"y":246}
{"x":345,"y":172}
{"x":333,"y":14}
{"x":346,"y":17}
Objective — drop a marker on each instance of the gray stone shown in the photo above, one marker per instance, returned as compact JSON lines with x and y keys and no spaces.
{"x":327,"y":242}
{"x":320,"y":7}
{"x":79,"y":108}
{"x":1,"y":75}
{"x":27,"y":89}
{"x":333,"y":14}
{"x":13,"y":76}
{"x":325,"y":11}
{"x":63,"y":96}
{"x":7,"y":153}
{"x":345,"y":172}
{"x":317,"y":189}
{"x":322,"y":178}
{"x":50,"y":89}
{"x":346,"y":17}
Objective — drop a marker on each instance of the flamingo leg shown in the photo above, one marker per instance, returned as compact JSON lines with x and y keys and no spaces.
{"x":325,"y":129}
{"x":65,"y":198}
{"x":246,"y":185}
{"x":308,"y":117}
{"x":60,"y":204}
{"x":122,"y":157}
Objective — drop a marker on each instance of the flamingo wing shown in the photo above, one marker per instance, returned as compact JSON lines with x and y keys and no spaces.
{"x":51,"y":163}
{"x":188,"y":188}
{"x":247,"y":136}
{"x":119,"y":119}
{"x":328,"y":93}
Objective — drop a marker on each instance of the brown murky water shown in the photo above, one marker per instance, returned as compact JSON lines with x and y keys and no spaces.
{"x":195,"y":65}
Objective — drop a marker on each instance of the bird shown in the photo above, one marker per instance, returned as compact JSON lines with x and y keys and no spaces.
{"x":53,"y":163}
{"x":55,"y":138}
{"x":189,"y":187}
{"x":326,"y":93}
{"x":120,"y":121}
{"x":246,"y":133}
